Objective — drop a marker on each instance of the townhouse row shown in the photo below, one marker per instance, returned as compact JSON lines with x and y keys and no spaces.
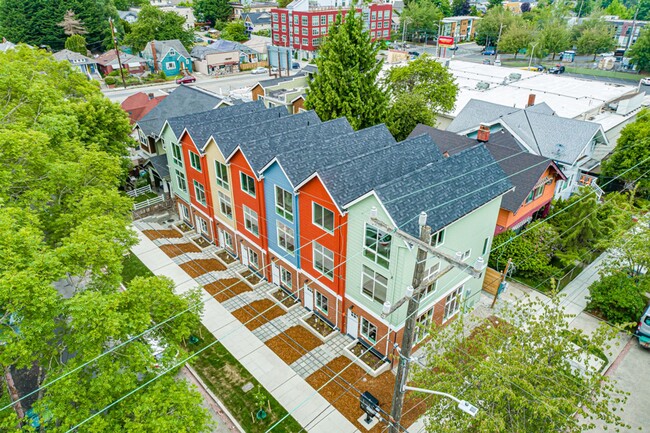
{"x":290,"y":197}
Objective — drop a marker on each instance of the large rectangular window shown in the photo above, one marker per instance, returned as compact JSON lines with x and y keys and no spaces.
{"x":438,"y":238}
{"x":180,"y":181}
{"x":324,"y":260}
{"x":374,"y":285}
{"x":225,"y":206}
{"x":285,"y":278}
{"x":199,"y":192}
{"x":195,"y":161}
{"x":286,"y":239}
{"x":176,"y":153}
{"x":247,"y":184}
{"x":253,"y":259}
{"x":431,"y":272}
{"x":250,"y":221}
{"x":227,"y":239}
{"x":323,"y":218}
{"x":321,"y":302}
{"x":368,"y":330}
{"x":221,"y":173}
{"x":377,"y":246}
{"x":284,"y":203}
{"x":422,"y":325}
{"x":452,"y":303}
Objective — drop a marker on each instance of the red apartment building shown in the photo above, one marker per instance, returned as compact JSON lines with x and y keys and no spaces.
{"x":302,"y":25}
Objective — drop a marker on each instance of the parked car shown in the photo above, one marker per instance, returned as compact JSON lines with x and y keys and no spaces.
{"x":454,"y":48}
{"x":489,"y":51}
{"x":414,"y":54}
{"x":487,"y":62}
{"x":186,"y":79}
{"x":259,"y":70}
{"x":557,"y":69}
{"x":645,"y":81}
{"x":295,"y":65}
{"x":643,"y":330}
{"x":539,"y":68}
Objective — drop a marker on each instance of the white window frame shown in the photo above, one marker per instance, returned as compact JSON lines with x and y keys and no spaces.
{"x":438,"y":238}
{"x":227,"y":240}
{"x":431,"y":288}
{"x":283,"y":207}
{"x":177,"y":154}
{"x":286,"y":278}
{"x":203,"y":226}
{"x":486,"y":245}
{"x":225,"y":204}
{"x":250,"y":220}
{"x":322,"y":210}
{"x":170,"y":65}
{"x":286,"y":238}
{"x":452,"y":303}
{"x":366,"y":330}
{"x":255,"y":263}
{"x":221,"y":169}
{"x":466,"y":255}
{"x":422,"y":326}
{"x":322,"y":302}
{"x":243,"y":177}
{"x":181,"y":182}
{"x":185,"y":212}
{"x":194,"y":156}
{"x":371,"y":251}
{"x":324,"y":256}
{"x":198,"y":187}
{"x":371,"y":274}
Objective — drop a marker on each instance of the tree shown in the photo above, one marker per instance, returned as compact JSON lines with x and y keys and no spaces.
{"x":553,"y":37}
{"x":617,"y":8}
{"x":76,"y":43}
{"x":422,"y":16}
{"x":346,"y":83}
{"x":632,"y":148}
{"x":525,"y":7}
{"x":487,"y":28}
{"x":406,"y":112}
{"x":619,"y":297}
{"x":460,"y":7}
{"x":213,"y":10}
{"x":124,"y":5}
{"x":640,"y":51}
{"x":154,"y":23}
{"x":596,"y":40}
{"x":519,"y":369}
{"x":444,"y":6}
{"x":583,"y":7}
{"x":518,"y":36}
{"x":495,"y":4}
{"x":71,"y":25}
{"x":235,"y":31}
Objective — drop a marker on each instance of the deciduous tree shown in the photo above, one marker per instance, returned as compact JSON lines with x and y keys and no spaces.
{"x":487,"y":28}
{"x":76,"y":43}
{"x":154,"y":23}
{"x":212,"y":10}
{"x":406,"y":112}
{"x":235,"y":31}
{"x":422,"y":16}
{"x":460,"y":7}
{"x":518,"y":36}
{"x":619,"y":297}
{"x":640,"y":51}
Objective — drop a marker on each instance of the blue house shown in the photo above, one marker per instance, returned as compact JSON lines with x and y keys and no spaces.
{"x":171,"y":57}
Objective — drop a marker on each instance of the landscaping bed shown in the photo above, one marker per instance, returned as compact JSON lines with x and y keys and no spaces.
{"x":293,"y":343}
{"x":161,"y":234}
{"x":223,"y":290}
{"x":251,"y":277}
{"x":258,"y":313}
{"x":367,"y":356}
{"x":345,"y":398}
{"x":226,"y":257}
{"x":318,"y":325}
{"x":198,"y":267}
{"x":225,"y":377}
{"x":285,"y":299}
{"x":174,"y":250}
{"x":184,"y":227}
{"x":202,"y":242}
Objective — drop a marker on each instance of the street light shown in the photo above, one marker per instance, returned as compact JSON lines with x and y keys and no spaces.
{"x":463,"y":405}
{"x":531,"y":54}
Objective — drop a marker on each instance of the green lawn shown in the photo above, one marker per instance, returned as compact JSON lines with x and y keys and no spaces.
{"x":133,"y":267}
{"x":520,"y":63}
{"x":145,"y":196}
{"x":225,"y":376}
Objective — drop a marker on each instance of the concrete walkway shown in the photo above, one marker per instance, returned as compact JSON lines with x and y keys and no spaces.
{"x":304,"y":403}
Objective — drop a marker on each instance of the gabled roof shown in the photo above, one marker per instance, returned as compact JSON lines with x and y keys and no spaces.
{"x":477,"y":112}
{"x":139,"y":104}
{"x":110,"y":58}
{"x":163,"y":46}
{"x":449,"y":189}
{"x":257,"y":18}
{"x":273,"y":81}
{"x":183,"y":99}
{"x":159,"y":163}
{"x":218,"y":46}
{"x":72,"y":57}
{"x":124,"y":14}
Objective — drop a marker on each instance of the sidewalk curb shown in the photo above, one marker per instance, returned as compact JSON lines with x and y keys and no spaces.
{"x":614,"y":365}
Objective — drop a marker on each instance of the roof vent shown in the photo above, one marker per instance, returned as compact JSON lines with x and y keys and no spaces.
{"x":482,"y":85}
{"x":559,"y":149}
{"x":514,"y":76}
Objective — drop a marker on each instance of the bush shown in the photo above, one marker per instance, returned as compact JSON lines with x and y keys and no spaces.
{"x":131,"y":81}
{"x":114,"y":73}
{"x":618,"y":297}
{"x":110,"y":80}
{"x":162,"y":75}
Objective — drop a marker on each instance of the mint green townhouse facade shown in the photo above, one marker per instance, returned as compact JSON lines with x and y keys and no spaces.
{"x":461,"y":195}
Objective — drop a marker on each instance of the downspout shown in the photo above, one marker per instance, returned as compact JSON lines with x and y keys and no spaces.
{"x":342,"y":248}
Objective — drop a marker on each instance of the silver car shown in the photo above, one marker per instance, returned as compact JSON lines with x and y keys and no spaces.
{"x":643,"y":330}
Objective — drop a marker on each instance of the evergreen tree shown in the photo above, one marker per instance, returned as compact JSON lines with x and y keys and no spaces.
{"x":212,"y":10}
{"x":460,"y":7}
{"x":71,"y":25}
{"x":346,"y":82}
{"x":76,"y":43}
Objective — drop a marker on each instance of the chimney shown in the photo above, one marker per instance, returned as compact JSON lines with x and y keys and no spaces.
{"x":153,"y":53}
{"x":483,"y":134}
{"x":150,"y":95}
{"x":531,"y":100}
{"x":445,"y":154}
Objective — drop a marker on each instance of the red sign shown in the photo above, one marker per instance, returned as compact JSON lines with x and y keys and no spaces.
{"x":446,"y":41}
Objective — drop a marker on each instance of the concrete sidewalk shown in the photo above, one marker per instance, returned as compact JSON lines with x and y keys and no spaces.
{"x":303,"y":402}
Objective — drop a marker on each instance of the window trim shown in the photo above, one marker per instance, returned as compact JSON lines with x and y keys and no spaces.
{"x":248,"y":214}
{"x":219,"y":167}
{"x":368,"y":250}
{"x":453,"y":298}
{"x":365,"y":272}
{"x":466,"y":255}
{"x":367,"y":335}
{"x":197,"y":184}
{"x":181,"y":176}
{"x":288,"y":284}
{"x":431,"y":288}
{"x":437,"y":235}
{"x":198,"y":159}
{"x":177,"y":159}
{"x":243,"y":180}
{"x":318,"y":302}
{"x":224,"y":200}
{"x":323,"y":210}
{"x":287,"y":231}
{"x":281,"y":209}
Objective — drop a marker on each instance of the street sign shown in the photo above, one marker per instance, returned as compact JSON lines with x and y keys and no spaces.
{"x":445,"y":41}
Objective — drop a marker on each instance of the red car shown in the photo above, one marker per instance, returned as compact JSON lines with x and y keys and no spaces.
{"x":186,"y":79}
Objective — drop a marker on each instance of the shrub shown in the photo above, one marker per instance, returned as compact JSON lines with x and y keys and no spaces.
{"x":114,"y":73}
{"x":110,"y":80}
{"x":162,"y":75}
{"x":618,"y":297}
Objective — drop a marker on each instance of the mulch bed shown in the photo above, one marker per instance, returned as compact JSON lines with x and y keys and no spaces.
{"x":251,"y":277}
{"x":199,"y":267}
{"x":226,"y":257}
{"x":174,"y":250}
{"x":202,"y":242}
{"x":161,"y":234}
{"x":289,"y":350}
{"x":345,"y":398}
{"x":365,"y":355}
{"x":284,"y":299}
{"x":184,"y":227}
{"x":319,"y":325}
{"x":258,"y":313}
{"x":223,"y":290}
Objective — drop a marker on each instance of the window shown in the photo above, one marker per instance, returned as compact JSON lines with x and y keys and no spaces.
{"x":432,"y":271}
{"x":377,"y":246}
{"x":185,"y":212}
{"x":286,"y":239}
{"x":314,"y":31}
{"x":324,"y":260}
{"x":176,"y":154}
{"x":275,"y":17}
{"x":227,"y":239}
{"x":386,"y":24}
{"x":305,"y":21}
{"x":438,"y":238}
{"x":372,"y":25}
{"x":330,"y":19}
{"x":221,"y":173}
{"x":374,"y":285}
{"x":170,"y":65}
{"x":225,"y":205}
{"x":296,"y":30}
{"x":203,"y":226}
{"x":323,"y":218}
{"x":284,"y":203}
{"x":199,"y":192}
{"x":284,"y":18}
{"x":143,"y":139}
{"x":284,"y":29}
{"x":385,"y":33}
{"x":195,"y":161}
{"x":452,"y":303}
{"x":250,"y":221}
{"x":284,"y":38}
{"x":247,"y":184}
{"x":368,"y":330}
{"x":276,"y":37}
{"x":323,"y":20}
{"x":374,"y":15}
{"x":422,"y":325}
{"x":295,"y":19}
{"x":276,"y":27}
{"x":321,"y":302}
{"x":180,"y":181}
{"x":466,"y":255}
{"x":305,"y":31}
{"x":486,"y":246}
{"x":314,"y":20}
{"x":305,"y":41}
{"x":253,"y":259}
{"x":285,"y":278}
{"x":316,"y":42}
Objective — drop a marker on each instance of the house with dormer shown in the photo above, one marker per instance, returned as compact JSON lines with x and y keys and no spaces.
{"x":170,"y":57}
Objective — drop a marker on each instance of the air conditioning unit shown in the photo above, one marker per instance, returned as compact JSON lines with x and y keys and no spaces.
{"x":514,"y":76}
{"x":482,"y":85}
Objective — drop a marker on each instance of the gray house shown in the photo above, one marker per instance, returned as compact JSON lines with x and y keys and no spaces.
{"x":80,"y":62}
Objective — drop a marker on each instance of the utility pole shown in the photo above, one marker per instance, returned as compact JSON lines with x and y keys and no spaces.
{"x":504,"y":274}
{"x":629,"y":40}
{"x":404,"y":30}
{"x":117,"y":51}
{"x":496,"y":48}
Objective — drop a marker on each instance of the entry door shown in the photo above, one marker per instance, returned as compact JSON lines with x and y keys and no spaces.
{"x":353,"y":325}
{"x":244,"y":256}
{"x":222,"y":242}
{"x":275,"y":274}
{"x":309,"y":298}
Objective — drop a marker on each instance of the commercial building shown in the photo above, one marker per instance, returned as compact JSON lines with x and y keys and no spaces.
{"x":461,"y":28}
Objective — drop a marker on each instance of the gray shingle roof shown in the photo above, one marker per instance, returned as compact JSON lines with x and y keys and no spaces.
{"x":163,"y":46}
{"x":450,"y":194}
{"x":159,"y":163}
{"x":273,"y":81}
{"x":218,"y":46}
{"x":178,"y":123}
{"x":258,"y":18}
{"x":74,"y":58}
{"x":477,"y":112}
{"x":183,"y":100}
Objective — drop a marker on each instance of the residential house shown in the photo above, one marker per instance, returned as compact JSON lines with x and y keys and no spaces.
{"x":259,"y":44}
{"x":170,"y":57}
{"x":222,"y":57}
{"x":257,"y":21}
{"x":139,"y":104}
{"x":239,"y":9}
{"x":287,"y":92}
{"x":83,"y":64}
{"x":533,"y":177}
{"x":108,"y":62}
{"x":573,"y":144}
{"x":129,"y":16}
{"x":461,"y":28}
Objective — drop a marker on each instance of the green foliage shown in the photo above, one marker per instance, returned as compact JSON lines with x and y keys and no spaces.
{"x":617,"y":8}
{"x":443,"y":5}
{"x":421,"y":16}
{"x":553,"y":36}
{"x":264,"y":32}
{"x":583,"y":7}
{"x":487,"y":28}
{"x":406,"y":112}
{"x":632,"y":148}
{"x":346,"y":83}
{"x":495,"y":4}
{"x":154,"y":23}
{"x":110,"y":80}
{"x":619,"y":297}
{"x":124,"y":5}
{"x":640,"y":51}
{"x":594,"y":36}
{"x":283,"y":3}
{"x":235,"y":31}
{"x":518,"y":36}
{"x":460,"y":7}
{"x":520,"y":370}
{"x":212,"y":10}
{"x":76,"y":43}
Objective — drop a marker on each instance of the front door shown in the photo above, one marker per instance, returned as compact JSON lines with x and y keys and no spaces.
{"x":353,"y":325}
{"x":275,"y":274}
{"x":244,"y":256}
{"x":222,"y":242}
{"x":309,"y":298}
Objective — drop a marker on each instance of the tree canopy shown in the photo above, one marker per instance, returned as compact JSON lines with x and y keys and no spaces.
{"x":154,"y":23}
{"x":422,"y":17}
{"x":487,"y":28}
{"x":76,"y":43}
{"x":346,"y":83}
{"x":212,"y":11}
{"x":235,"y":31}
{"x":518,"y":36}
{"x":640,"y":51}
